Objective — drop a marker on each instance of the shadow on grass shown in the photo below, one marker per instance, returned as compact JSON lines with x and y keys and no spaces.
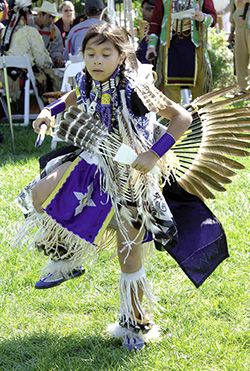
{"x":24,"y":140}
{"x":49,"y":352}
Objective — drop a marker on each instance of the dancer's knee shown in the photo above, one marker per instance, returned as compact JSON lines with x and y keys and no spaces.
{"x":38,"y":198}
{"x":45,"y":186}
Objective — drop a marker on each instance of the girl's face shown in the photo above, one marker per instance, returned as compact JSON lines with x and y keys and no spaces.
{"x":68,"y":12}
{"x":101,"y":60}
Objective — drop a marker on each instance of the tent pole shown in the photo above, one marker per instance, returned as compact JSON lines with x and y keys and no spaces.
{"x":8,"y":104}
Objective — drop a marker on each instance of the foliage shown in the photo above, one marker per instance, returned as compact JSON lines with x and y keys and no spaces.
{"x":138,"y":14}
{"x":221,"y":59}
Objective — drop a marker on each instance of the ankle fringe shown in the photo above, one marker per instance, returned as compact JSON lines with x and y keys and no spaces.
{"x":128,"y":287}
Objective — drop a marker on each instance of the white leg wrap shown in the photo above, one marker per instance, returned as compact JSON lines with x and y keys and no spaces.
{"x":131,"y":328}
{"x":129,"y":285}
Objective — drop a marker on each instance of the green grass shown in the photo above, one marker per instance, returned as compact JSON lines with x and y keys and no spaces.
{"x":65,"y":328}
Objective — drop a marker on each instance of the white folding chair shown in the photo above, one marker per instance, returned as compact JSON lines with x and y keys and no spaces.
{"x":72,"y":67}
{"x":29,"y":87}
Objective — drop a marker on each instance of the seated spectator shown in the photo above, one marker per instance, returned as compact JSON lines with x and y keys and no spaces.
{"x":66,"y":22}
{"x":93,"y":10}
{"x":20,"y":39}
{"x":44,"y":22}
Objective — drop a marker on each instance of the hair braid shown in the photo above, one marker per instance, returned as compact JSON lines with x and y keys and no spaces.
{"x":122,"y":75}
{"x":88,"y":83}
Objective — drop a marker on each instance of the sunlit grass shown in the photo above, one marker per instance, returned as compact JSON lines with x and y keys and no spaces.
{"x":65,"y":328}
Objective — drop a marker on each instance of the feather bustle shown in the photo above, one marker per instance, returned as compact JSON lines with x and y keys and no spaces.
{"x":229,"y":151}
{"x":204,"y":179}
{"x":201,"y":190}
{"x":212,"y":174}
{"x":221,"y":160}
{"x":205,"y":98}
{"x":218,"y":168}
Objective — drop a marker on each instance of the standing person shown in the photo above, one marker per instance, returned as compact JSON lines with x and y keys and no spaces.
{"x":65,"y":23}
{"x":240,"y":32}
{"x":76,"y":199}
{"x":183,"y":60}
{"x":44,"y":22}
{"x":92,"y":10}
{"x":147,"y":12}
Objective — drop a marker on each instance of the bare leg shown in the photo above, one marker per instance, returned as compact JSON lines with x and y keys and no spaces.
{"x":45,"y":186}
{"x":133,"y":262}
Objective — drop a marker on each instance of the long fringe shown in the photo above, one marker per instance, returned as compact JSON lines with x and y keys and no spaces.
{"x":41,"y":229}
{"x":129,"y":295}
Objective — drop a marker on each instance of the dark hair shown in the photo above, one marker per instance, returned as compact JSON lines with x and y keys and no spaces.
{"x":151,"y":3}
{"x":93,"y":12}
{"x":104,"y":31}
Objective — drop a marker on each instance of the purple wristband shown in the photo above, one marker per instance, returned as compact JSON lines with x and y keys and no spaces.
{"x":56,"y":107}
{"x":163,"y":145}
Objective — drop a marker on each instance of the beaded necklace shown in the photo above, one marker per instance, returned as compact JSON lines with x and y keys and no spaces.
{"x":104,"y":101}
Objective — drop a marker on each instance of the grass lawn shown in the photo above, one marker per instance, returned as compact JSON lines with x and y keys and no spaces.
{"x":64,"y":328}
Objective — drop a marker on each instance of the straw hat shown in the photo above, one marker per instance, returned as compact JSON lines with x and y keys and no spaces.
{"x":49,"y":8}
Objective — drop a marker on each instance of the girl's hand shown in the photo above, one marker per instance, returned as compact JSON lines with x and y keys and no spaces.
{"x":145,"y":161}
{"x":199,"y":16}
{"x":43,"y":117}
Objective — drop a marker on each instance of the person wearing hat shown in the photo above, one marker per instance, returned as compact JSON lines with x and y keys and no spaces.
{"x":44,"y":23}
{"x":19,"y":39}
{"x":147,"y":12}
{"x":93,"y":10}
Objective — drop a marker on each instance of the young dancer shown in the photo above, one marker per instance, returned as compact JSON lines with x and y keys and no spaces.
{"x":82,"y":191}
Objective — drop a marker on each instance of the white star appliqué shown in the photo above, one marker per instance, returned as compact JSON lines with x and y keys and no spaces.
{"x":84,"y":199}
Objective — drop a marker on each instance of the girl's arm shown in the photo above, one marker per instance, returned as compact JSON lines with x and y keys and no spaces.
{"x":45,"y":116}
{"x":180,"y":119}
